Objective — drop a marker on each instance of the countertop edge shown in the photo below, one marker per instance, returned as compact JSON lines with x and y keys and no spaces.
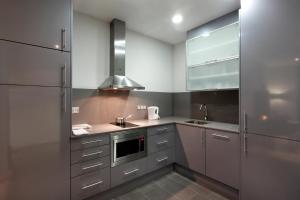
{"x":172,"y":120}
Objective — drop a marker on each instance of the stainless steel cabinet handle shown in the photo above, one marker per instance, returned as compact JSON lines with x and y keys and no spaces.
{"x":64,"y":75}
{"x":92,"y":141}
{"x":245,"y":143}
{"x":162,"y":142}
{"x":63,"y":39}
{"x":222,"y":137}
{"x":64,"y":100}
{"x":162,"y":130}
{"x":92,"y":166}
{"x":162,"y":159}
{"x":132,"y":171}
{"x":91,"y":185}
{"x":91,"y":154}
{"x":245,"y":121}
{"x":245,"y":132}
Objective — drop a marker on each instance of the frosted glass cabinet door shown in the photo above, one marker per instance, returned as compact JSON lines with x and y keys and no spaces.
{"x":213,"y":46}
{"x":220,"y":75}
{"x":212,"y":52}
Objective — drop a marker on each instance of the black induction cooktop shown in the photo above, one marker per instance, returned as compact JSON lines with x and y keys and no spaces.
{"x":125,"y":125}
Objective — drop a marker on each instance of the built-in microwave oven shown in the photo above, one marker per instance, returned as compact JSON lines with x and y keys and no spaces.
{"x":128,"y":145}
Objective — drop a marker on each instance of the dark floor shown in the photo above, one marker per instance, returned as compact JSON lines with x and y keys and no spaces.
{"x":171,"y":187}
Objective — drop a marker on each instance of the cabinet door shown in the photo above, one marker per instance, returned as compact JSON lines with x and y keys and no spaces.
{"x":126,"y":172}
{"x":222,"y":157}
{"x":270,"y":169}
{"x":190,"y":148}
{"x":38,"y":22}
{"x":30,"y":65}
{"x":270,"y":72}
{"x":34,"y":135}
{"x":213,"y":54}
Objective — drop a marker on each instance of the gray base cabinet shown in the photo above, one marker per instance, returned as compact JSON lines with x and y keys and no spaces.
{"x":129,"y":171}
{"x":90,"y":166}
{"x":38,"y":22}
{"x":90,"y":184}
{"x":223,"y":156}
{"x":160,"y":142}
{"x":89,"y":154}
{"x":160,"y":159}
{"x":190,"y":147}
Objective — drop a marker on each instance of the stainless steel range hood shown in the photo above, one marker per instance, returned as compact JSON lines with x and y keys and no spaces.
{"x":117,"y":79}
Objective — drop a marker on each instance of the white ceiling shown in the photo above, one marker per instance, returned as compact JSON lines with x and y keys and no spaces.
{"x":154,"y":17}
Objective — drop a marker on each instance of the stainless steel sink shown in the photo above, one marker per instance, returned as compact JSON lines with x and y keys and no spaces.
{"x":196,"y":122}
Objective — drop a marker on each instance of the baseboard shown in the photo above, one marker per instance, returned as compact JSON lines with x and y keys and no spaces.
{"x":218,"y":187}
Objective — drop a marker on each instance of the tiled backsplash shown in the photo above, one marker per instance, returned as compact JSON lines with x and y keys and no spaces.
{"x":222,"y":106}
{"x":103,"y":107}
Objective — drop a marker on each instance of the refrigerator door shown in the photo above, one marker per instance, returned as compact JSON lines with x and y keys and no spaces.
{"x":34,"y":143}
{"x":270,"y":169}
{"x":270,"y":67}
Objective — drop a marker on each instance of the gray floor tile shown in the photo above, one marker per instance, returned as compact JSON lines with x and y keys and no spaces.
{"x":180,"y":191}
{"x":171,"y":187}
{"x":133,"y":195}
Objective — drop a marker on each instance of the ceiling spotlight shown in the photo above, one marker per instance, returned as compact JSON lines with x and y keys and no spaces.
{"x":176,"y":19}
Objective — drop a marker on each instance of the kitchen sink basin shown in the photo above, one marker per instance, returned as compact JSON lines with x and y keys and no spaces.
{"x":196,"y":122}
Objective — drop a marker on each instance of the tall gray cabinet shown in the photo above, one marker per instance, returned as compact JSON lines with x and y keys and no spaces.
{"x":270,"y":96}
{"x":39,"y":22}
{"x":35,"y":99}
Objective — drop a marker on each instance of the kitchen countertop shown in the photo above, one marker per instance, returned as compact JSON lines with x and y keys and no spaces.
{"x":109,"y":128}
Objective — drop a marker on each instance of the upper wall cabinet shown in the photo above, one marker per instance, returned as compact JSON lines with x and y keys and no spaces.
{"x":213,"y":55}
{"x":45,"y":23}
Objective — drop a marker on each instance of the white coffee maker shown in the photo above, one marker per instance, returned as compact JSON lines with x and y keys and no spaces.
{"x":153,"y":113}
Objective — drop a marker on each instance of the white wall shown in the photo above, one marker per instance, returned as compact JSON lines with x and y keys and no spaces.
{"x":90,"y":56}
{"x":179,"y":68}
{"x":148,"y":61}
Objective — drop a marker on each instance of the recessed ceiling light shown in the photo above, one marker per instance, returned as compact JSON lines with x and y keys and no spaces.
{"x":176,"y":19}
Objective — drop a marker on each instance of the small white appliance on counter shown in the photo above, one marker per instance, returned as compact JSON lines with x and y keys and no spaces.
{"x":153,"y":113}
{"x":80,"y":129}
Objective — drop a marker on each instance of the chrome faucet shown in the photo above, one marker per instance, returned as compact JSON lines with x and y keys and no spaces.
{"x":203,"y":106}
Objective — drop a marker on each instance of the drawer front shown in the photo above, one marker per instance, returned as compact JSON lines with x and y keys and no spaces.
{"x":89,"y":154}
{"x":129,"y":171}
{"x":160,"y":159}
{"x":89,"y":166}
{"x":88,"y":142}
{"x":161,"y":129}
{"x":90,"y":184}
{"x":222,"y":156}
{"x":160,"y":142}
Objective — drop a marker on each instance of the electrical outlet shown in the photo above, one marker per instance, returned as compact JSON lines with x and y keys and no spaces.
{"x":144,"y":107}
{"x":138,"y":107}
{"x":75,"y":110}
